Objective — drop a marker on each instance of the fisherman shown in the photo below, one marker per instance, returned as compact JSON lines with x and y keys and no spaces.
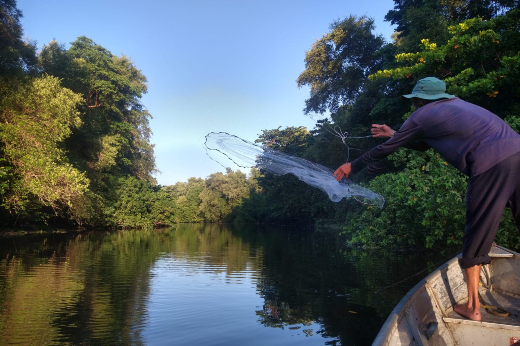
{"x":476,"y":142}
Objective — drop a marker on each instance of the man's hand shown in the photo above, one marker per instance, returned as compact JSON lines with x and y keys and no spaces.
{"x":343,"y":171}
{"x":381,"y":131}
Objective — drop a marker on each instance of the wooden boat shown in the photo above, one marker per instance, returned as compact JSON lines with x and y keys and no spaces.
{"x":425,"y":315}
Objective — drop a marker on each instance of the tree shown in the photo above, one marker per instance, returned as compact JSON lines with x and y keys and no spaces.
{"x":424,"y":205}
{"x":222,"y":194}
{"x":480,"y":63}
{"x":429,"y":19}
{"x":16,"y":55}
{"x":116,"y":134}
{"x":114,"y":141}
{"x":338,"y":64}
{"x":187,"y":200}
{"x":35,"y":121}
{"x":136,"y":203}
{"x":281,"y":199}
{"x":291,"y":140}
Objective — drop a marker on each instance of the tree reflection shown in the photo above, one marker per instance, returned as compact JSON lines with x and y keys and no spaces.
{"x":93,"y":288}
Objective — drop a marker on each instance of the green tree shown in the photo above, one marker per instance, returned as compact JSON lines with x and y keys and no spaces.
{"x":337,"y":69}
{"x":223,"y":193}
{"x":213,"y":205}
{"x":282,"y":199}
{"x":136,"y":203}
{"x":187,"y":199}
{"x":338,"y":64}
{"x":480,"y":63}
{"x":34,"y":122}
{"x":429,"y":19}
{"x":16,"y":55}
{"x":115,"y":136}
{"x":291,"y":140}
{"x":114,"y":141}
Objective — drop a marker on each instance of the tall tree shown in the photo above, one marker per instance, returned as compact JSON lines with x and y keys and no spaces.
{"x":338,"y":64}
{"x":16,"y":55}
{"x":115,"y":136}
{"x":34,"y":122}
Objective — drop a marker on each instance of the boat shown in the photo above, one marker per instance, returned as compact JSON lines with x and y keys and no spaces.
{"x":425,"y":315}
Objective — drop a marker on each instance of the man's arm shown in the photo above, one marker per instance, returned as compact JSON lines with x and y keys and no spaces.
{"x":386,"y":131}
{"x":409,"y":133}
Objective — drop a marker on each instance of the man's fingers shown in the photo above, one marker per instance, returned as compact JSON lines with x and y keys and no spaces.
{"x":376,"y":130}
{"x":339,"y":174}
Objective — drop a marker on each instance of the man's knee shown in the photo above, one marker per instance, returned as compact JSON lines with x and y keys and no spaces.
{"x":466,"y":263}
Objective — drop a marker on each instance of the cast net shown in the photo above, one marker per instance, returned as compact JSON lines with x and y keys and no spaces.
{"x":247,"y":155}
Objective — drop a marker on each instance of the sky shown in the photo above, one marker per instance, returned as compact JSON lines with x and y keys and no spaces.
{"x":212,"y":65}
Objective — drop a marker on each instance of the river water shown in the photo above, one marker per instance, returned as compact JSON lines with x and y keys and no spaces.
{"x":198,"y":285}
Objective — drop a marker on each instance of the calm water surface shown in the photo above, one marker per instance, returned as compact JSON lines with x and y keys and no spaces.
{"x":197,"y":285}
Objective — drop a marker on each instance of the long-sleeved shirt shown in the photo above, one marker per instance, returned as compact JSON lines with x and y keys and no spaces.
{"x":469,"y":137}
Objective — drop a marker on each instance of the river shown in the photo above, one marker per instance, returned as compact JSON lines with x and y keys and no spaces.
{"x":198,"y":285}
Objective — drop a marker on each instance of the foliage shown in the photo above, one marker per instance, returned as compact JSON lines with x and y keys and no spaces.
{"x":291,"y":140}
{"x":429,"y":19}
{"x":16,"y":55}
{"x":187,"y":200}
{"x":34,"y":123}
{"x":285,"y":199}
{"x":115,"y":136}
{"x":137,"y":203}
{"x":338,"y":64}
{"x":480,"y":63}
{"x":223,"y":193}
{"x":75,"y":137}
{"x":425,"y":205}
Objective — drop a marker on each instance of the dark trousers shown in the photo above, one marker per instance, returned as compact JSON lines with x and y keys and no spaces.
{"x":488,"y":194}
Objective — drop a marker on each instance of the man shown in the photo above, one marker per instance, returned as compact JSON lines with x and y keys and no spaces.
{"x":480,"y":145}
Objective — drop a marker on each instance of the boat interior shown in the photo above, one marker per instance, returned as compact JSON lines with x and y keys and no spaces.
{"x":425,"y":315}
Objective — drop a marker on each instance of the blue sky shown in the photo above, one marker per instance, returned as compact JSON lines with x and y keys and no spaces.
{"x":227,"y":65}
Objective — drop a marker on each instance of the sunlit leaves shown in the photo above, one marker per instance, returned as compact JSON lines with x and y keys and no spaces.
{"x":291,"y":140}
{"x":34,"y":122}
{"x":480,"y":62}
{"x":116,"y":134}
{"x":424,"y":205}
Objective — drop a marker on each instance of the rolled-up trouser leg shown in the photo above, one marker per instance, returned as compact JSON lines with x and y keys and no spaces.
{"x":487,"y":196}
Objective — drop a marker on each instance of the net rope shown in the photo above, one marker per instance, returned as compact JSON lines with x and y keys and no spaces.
{"x":245,"y":154}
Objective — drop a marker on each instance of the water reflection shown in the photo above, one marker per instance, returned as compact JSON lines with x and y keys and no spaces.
{"x":195,"y":284}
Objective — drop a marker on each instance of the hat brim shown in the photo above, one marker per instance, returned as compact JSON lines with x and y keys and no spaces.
{"x":429,"y":96}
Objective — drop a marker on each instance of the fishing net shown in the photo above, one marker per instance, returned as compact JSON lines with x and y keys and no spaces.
{"x":246,"y":155}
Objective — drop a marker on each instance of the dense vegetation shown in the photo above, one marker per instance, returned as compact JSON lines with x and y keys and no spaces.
{"x":75,"y":140}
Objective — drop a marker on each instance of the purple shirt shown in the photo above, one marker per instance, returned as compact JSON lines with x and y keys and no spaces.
{"x":469,"y":137}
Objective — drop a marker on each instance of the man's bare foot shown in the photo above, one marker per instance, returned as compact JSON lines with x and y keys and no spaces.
{"x":463,"y":310}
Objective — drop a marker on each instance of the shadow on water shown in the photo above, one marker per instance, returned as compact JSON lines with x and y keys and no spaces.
{"x":197,"y":284}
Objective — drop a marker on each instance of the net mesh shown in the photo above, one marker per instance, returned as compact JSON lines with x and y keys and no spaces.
{"x":247,"y":155}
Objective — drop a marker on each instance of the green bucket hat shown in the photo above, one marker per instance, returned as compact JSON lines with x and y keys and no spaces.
{"x":430,"y":88}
